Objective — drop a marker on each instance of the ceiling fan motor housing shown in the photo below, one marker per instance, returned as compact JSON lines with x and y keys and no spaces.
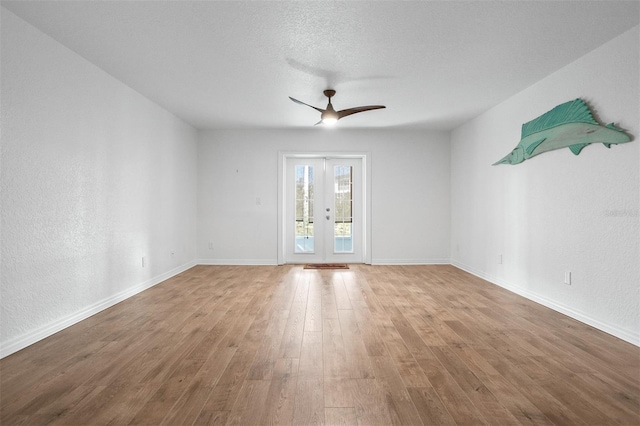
{"x":329,"y":93}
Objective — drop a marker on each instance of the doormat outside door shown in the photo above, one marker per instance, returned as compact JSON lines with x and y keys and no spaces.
{"x":326,"y":266}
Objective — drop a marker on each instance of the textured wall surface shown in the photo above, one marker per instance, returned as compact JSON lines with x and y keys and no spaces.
{"x":557,"y":212}
{"x":409,"y":191}
{"x":94,"y":177}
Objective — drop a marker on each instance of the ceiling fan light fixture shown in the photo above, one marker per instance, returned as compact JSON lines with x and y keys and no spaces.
{"x":329,"y":118}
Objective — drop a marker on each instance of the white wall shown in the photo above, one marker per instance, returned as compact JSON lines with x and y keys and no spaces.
{"x":409,"y":183}
{"x":557,"y":212}
{"x":94,"y":177}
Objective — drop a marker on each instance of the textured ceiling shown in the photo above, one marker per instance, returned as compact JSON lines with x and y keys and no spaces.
{"x":233,"y":64}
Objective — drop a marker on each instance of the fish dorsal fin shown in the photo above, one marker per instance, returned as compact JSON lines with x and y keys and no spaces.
{"x":575,"y":111}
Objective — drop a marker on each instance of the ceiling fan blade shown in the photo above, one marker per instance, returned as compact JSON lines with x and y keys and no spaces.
{"x":349,"y":111}
{"x":302,"y":103}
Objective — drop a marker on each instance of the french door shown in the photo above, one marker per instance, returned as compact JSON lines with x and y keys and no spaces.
{"x":323,"y":210}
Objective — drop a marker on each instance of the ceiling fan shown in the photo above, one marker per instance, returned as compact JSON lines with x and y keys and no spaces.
{"x":329,"y":115}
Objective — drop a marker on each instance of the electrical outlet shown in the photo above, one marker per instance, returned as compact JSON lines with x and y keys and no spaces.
{"x":210,"y":245}
{"x":499,"y":259}
{"x":567,"y":278}
{"x":144,"y":261}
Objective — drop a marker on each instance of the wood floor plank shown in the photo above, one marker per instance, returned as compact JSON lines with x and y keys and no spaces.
{"x":430,"y":408}
{"x":264,"y":361}
{"x":355,"y":291}
{"x":19,"y":399}
{"x":127,"y":392}
{"x":629,"y":399}
{"x":495,"y":382}
{"x":57,"y":412}
{"x":340,"y":416}
{"x":250,"y":403}
{"x":504,"y":374}
{"x":370,"y":336}
{"x":338,"y":392}
{"x":309,"y":403}
{"x":474,"y":388}
{"x":428,"y":335}
{"x":302,"y":288}
{"x":154,"y":411}
{"x":358,"y":360}
{"x":334,"y":357}
{"x":399,"y":404}
{"x":405,"y":329}
{"x":212,"y":418}
{"x":603,"y":402}
{"x":279,"y":404}
{"x":340,"y":292}
{"x":132,"y":360}
{"x":187,"y":409}
{"x":329,"y":306}
{"x":286,"y":290}
{"x":311,"y":356}
{"x":224,"y":394}
{"x":452,"y":396}
{"x":405,"y":362}
{"x":292,"y":339}
{"x":370,"y":403}
{"x":313,"y":317}
{"x":282,"y":345}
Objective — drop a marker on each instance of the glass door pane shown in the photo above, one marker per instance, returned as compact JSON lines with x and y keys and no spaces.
{"x":304,"y":227}
{"x":343,"y":209}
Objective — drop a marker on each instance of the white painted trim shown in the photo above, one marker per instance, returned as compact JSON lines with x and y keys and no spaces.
{"x":33,"y":336}
{"x":381,"y":262}
{"x":238,"y":262}
{"x":626,"y":335}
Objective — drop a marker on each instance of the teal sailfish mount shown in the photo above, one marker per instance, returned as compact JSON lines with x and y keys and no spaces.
{"x":569,"y":125}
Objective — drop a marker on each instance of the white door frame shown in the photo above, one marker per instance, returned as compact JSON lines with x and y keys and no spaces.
{"x":366,"y":197}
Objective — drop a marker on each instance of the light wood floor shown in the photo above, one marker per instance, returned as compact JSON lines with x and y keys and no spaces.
{"x":403,"y":345}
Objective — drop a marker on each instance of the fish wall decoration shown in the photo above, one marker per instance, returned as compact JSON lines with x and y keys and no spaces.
{"x":569,"y":125}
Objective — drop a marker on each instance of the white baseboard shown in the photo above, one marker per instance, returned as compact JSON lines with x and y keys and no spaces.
{"x":238,"y":262}
{"x":627,"y":336}
{"x":258,"y":262}
{"x":33,"y":336}
{"x":410,"y":262}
